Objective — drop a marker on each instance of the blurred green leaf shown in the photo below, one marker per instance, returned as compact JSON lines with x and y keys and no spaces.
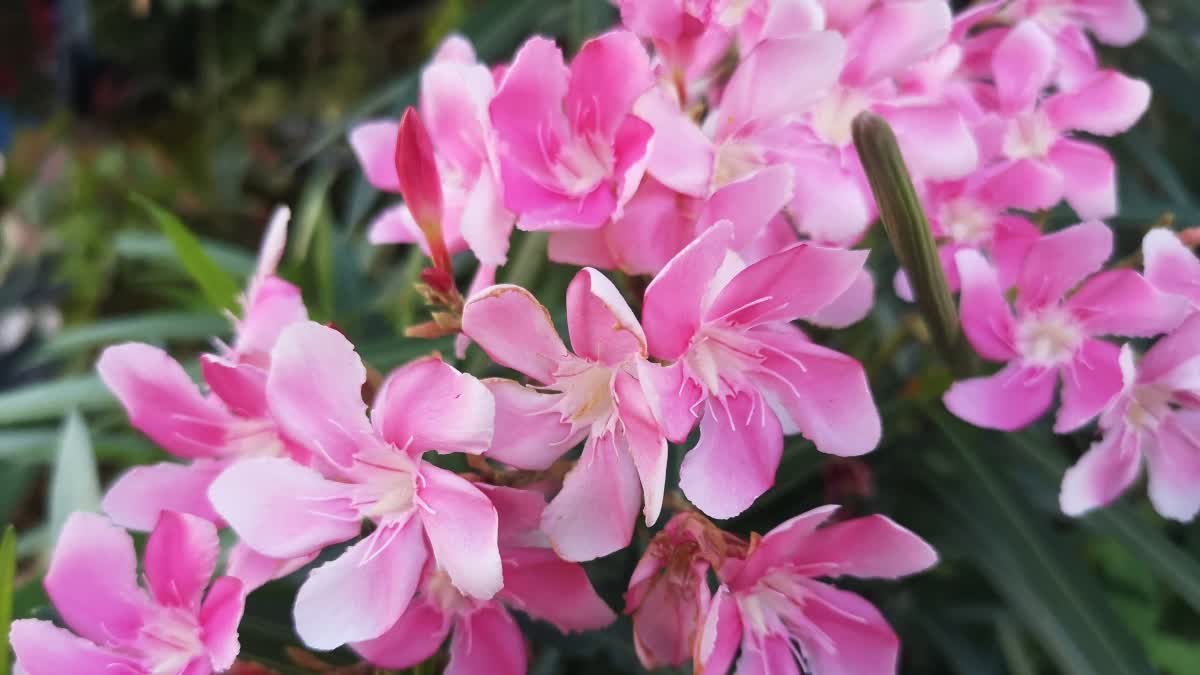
{"x":74,"y":480}
{"x":154,"y":327}
{"x":219,"y":288}
{"x":8,"y":573}
{"x":53,"y":399}
{"x":312,"y":211}
{"x":155,"y":247}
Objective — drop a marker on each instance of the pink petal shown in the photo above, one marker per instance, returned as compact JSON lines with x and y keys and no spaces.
{"x":41,"y":648}
{"x":594,"y":513}
{"x":630,"y":149}
{"x":1009,"y":400}
{"x":718,"y":641}
{"x":515,"y":330}
{"x":672,"y":396}
{"x":179,"y":560}
{"x":162,"y":402}
{"x":607,"y":75}
{"x":546,"y":587}
{"x":241,"y":386}
{"x":780,"y":546}
{"x":1107,"y":469}
{"x":601,"y":325}
{"x":986,"y":318}
{"x":315,"y":391}
{"x":749,"y":203}
{"x":428,"y":405}
{"x":219,"y":619}
{"x":1108,"y":104}
{"x":529,"y":434}
{"x":1121,"y":302}
{"x":139,"y":495}
{"x":673,"y":302}
{"x":1116,"y":22}
{"x":1023,"y":65}
{"x":666,"y":621}
{"x":851,"y":306}
{"x":254,"y":569}
{"x":1026,"y":184}
{"x":778,"y":79}
{"x":681,"y":156}
{"x":829,"y":203}
{"x":520,"y":514}
{"x":583,"y":248}
{"x":487,"y":641}
{"x":395,"y":225}
{"x":1173,"y":463}
{"x":1169,"y":360}
{"x":645,"y":442}
{"x":362,"y":593}
{"x":820,"y":392}
{"x":651,"y":230}
{"x":545,"y":209}
{"x":1060,"y":261}
{"x":374,"y":145}
{"x":894,"y":36}
{"x":1012,"y":237}
{"x":271,"y":305}
{"x":1089,"y":178}
{"x":788,"y":285}
{"x":307,"y":511}
{"x":454,"y":99}
{"x":872,"y":546}
{"x":527,"y":112}
{"x":934,"y":139}
{"x":486,"y":224}
{"x":1090,"y":382}
{"x":462,"y":527}
{"x":411,"y":640}
{"x":1171,"y":266}
{"x":734,"y":461}
{"x":859,"y":638}
{"x":92,"y":580}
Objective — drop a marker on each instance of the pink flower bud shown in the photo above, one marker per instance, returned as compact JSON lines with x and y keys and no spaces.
{"x":420,"y":183}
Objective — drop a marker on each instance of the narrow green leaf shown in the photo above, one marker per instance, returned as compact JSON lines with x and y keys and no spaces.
{"x":311,"y":211}
{"x":8,"y":573}
{"x":74,"y":480}
{"x":154,"y":247}
{"x":1016,"y":653}
{"x":219,"y":288}
{"x":49,"y":400}
{"x":151,"y":327}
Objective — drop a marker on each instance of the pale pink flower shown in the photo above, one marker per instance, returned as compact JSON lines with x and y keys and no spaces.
{"x":484,"y":638}
{"x":1113,"y":22}
{"x":773,"y":607}
{"x":1156,"y":416}
{"x":455,"y":92}
{"x":686,"y":38}
{"x":739,"y":367}
{"x":282,"y":509}
{"x":571,"y":151}
{"x":1171,"y":266}
{"x":171,"y":626}
{"x":592,"y":393}
{"x":210,"y":431}
{"x":1037,"y":163}
{"x":1054,"y":330}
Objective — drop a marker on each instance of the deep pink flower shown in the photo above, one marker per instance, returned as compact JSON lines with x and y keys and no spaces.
{"x":455,"y":92}
{"x":171,"y":626}
{"x":484,"y":636}
{"x":775,"y":609}
{"x":283,"y":509}
{"x":739,"y":367}
{"x":1156,"y":416}
{"x":571,"y":151}
{"x":209,"y":431}
{"x":592,"y":393}
{"x":1037,"y":163}
{"x":1054,"y":330}
{"x":686,"y":38}
{"x":1171,"y":266}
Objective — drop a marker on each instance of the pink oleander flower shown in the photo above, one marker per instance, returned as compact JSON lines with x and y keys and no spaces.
{"x":171,"y":626}
{"x":592,"y":393}
{"x":773,"y":606}
{"x":455,"y":92}
{"x":1171,"y":266}
{"x":1113,"y":22}
{"x":282,"y":509}
{"x":571,"y":151}
{"x":1053,"y":331}
{"x":484,"y":637}
{"x":687,"y":40}
{"x":744,"y":372}
{"x":211,"y":431}
{"x":668,"y":594}
{"x":1156,"y":416}
{"x":1036,"y":162}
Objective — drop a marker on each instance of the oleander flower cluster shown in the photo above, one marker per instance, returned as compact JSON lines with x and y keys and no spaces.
{"x":703,"y":151}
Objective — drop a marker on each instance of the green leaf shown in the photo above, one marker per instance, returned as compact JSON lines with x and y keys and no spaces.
{"x":312,"y":211}
{"x":74,"y":480}
{"x":154,"y":247}
{"x":219,"y":288}
{"x":8,"y":573}
{"x":154,"y":327}
{"x":49,"y":400}
{"x":1047,"y":586}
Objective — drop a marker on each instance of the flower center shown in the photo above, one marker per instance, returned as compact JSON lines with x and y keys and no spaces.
{"x":253,"y":437}
{"x":1049,"y":338}
{"x":386,"y":483}
{"x":443,"y":595}
{"x":169,"y":641}
{"x":1029,"y":135}
{"x":735,"y":159}
{"x":581,"y":165}
{"x":587,"y":393}
{"x":1148,"y":405}
{"x":966,"y":221}
{"x":718,"y":359}
{"x":833,"y":116}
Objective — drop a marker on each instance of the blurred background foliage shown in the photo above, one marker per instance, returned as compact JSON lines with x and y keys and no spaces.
{"x":218,"y":110}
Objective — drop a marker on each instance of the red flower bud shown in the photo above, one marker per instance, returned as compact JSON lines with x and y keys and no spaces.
{"x":420,"y":183}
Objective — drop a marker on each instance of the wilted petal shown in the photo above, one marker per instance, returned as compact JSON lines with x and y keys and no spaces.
{"x":462,"y":526}
{"x":487,"y":641}
{"x":737,"y":455}
{"x":140,"y":494}
{"x":515,"y":330}
{"x":1009,"y":400}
